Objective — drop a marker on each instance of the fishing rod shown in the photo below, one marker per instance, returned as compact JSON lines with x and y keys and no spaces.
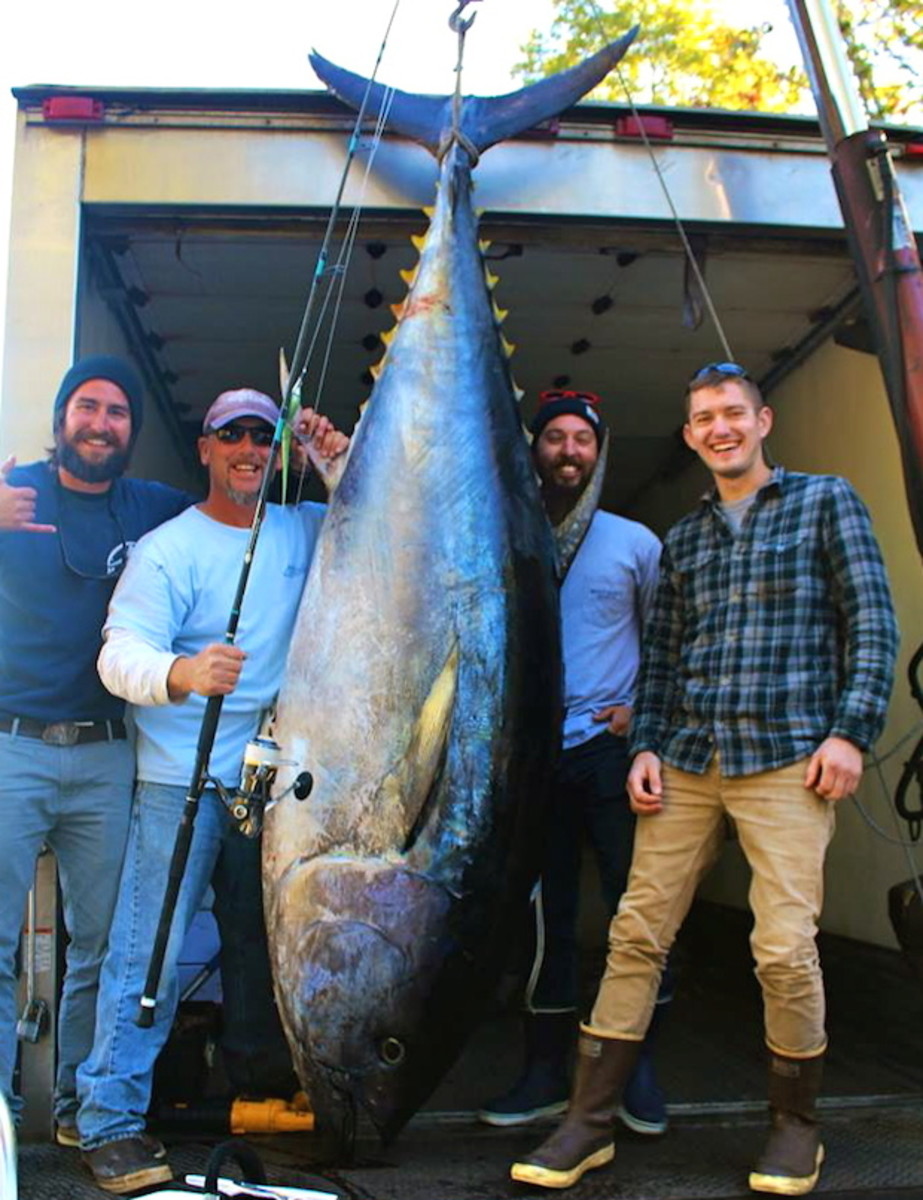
{"x":209,"y":726}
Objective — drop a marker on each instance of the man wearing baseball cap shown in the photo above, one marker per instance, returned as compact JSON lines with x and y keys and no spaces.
{"x":67,"y":524}
{"x":163,"y":652}
{"x":611,"y":574}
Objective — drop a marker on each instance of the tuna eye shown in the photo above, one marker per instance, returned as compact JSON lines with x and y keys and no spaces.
{"x":391,"y":1051}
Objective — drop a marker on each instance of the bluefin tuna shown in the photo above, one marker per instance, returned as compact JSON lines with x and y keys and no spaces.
{"x":423,"y":689}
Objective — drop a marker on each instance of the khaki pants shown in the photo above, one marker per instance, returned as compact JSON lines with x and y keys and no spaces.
{"x":784,"y":831}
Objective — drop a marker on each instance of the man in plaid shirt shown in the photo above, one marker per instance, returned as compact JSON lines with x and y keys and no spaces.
{"x":767,"y":666}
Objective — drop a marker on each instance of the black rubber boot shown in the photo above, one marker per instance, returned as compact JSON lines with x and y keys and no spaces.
{"x":644,"y":1105}
{"x":544,"y":1085}
{"x":791,"y":1160}
{"x":584,"y":1140}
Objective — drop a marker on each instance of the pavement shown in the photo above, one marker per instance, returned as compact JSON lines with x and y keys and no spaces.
{"x":874,"y":1152}
{"x":711,"y":1063}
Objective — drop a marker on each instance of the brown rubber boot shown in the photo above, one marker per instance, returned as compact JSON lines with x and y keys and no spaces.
{"x":791,"y":1160}
{"x":584,"y":1139}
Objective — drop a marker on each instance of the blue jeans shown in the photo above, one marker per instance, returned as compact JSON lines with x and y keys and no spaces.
{"x":114,"y":1084}
{"x":75,"y":799}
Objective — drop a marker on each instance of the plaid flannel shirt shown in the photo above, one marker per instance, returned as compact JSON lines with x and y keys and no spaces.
{"x":761,"y":645}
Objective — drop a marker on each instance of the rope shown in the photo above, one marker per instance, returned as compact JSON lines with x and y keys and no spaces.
{"x":456,"y":135}
{"x":677,"y":220}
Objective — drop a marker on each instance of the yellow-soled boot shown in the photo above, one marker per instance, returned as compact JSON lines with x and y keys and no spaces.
{"x":584,"y":1139}
{"x":791,"y":1160}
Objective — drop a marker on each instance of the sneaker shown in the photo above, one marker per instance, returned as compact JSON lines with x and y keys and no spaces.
{"x":128,"y":1164}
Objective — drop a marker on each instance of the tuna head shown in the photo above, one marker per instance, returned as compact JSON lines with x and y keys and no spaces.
{"x":350,"y":928}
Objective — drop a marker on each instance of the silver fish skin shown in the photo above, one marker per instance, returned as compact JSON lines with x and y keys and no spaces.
{"x":423,"y":694}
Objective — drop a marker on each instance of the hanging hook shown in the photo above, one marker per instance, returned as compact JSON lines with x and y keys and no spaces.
{"x":456,"y":24}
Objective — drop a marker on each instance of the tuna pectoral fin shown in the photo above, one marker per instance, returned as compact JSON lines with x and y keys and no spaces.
{"x":412,"y":784}
{"x":484,"y":120}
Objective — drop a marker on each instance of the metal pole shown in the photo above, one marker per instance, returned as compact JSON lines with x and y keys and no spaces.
{"x":839,"y":106}
{"x":881,"y":239}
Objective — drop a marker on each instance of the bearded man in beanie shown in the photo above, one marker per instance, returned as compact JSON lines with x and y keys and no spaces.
{"x":606,"y":592}
{"x":66,"y":768}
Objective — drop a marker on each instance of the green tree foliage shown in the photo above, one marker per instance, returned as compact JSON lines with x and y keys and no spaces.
{"x":683,"y":55}
{"x":884,"y":42}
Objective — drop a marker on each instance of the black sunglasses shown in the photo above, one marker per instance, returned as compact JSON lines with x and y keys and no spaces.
{"x":232,"y":434}
{"x":721,"y":368}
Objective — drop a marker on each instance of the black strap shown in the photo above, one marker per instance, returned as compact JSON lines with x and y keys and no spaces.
{"x":240,"y":1152}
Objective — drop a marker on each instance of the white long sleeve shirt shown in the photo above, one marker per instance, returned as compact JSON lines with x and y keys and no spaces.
{"x":173,"y":599}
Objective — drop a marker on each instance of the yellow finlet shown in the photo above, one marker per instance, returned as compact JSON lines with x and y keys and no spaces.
{"x":418,"y":241}
{"x":500,"y":314}
{"x":397,"y":310}
{"x":484,"y":245}
{"x":429,"y":211}
{"x":508,"y":347}
{"x":409,"y":276}
{"x":388,"y":336}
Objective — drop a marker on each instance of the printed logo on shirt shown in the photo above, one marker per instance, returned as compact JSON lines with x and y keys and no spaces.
{"x":118,"y":557}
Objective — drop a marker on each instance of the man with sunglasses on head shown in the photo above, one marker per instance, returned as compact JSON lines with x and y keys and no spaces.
{"x":67,"y":524}
{"x":163,"y":652}
{"x":606,"y":593}
{"x":766,"y":672}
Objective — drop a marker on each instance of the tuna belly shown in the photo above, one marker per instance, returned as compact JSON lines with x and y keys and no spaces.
{"x":360,"y":945}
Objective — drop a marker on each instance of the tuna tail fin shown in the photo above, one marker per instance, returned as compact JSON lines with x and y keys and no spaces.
{"x":485,"y":120}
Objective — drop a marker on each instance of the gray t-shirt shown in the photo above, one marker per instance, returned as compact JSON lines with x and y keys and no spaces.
{"x":605,"y":597}
{"x":735,"y":511}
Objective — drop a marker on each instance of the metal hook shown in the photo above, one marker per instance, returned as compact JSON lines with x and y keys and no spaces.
{"x":456,"y":24}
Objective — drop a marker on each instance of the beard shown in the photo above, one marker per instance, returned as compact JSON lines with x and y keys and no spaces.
{"x":243,"y":499}
{"x":67,"y":455}
{"x":573,"y":487}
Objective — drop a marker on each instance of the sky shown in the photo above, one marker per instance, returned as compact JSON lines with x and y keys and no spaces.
{"x":200,"y":43}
